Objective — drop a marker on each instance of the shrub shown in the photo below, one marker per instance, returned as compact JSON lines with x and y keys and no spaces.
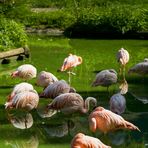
{"x":113,"y":19}
{"x":12,"y":34}
{"x":57,"y":19}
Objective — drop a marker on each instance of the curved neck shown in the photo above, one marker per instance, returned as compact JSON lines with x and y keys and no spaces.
{"x":86,"y":107}
{"x":79,"y":59}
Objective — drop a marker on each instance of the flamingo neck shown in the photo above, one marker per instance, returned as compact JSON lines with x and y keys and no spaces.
{"x":86,"y":107}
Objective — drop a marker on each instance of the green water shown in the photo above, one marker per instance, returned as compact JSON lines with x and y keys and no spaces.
{"x":57,"y":132}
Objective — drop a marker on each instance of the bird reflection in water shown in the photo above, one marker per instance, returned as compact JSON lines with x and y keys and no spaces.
{"x":44,"y":113}
{"x":32,"y":142}
{"x":139,"y":93}
{"x":22,"y":120}
{"x":59,"y":130}
{"x":123,"y":87}
{"x":118,"y":137}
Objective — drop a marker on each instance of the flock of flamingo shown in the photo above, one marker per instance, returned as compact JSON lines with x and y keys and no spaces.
{"x":66,"y":100}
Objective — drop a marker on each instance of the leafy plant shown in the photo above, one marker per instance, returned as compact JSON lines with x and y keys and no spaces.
{"x":12,"y":34}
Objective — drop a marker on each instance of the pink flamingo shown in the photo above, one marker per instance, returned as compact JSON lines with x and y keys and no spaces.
{"x":83,"y":141}
{"x":117,"y":103}
{"x":55,"y":89}
{"x":27,"y":100}
{"x":106,"y":121}
{"x":140,"y":68}
{"x":25,"y":72}
{"x":122,"y":58}
{"x":21,"y":87}
{"x":45,"y":78}
{"x":71,"y":102}
{"x":105,"y":78}
{"x":70,"y":62}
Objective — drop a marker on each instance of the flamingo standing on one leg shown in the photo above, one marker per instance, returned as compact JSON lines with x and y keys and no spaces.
{"x":122,"y":58}
{"x":70,"y":62}
{"x":106,"y":121}
{"x":83,"y":141}
{"x":105,"y":78}
{"x":140,"y":68}
{"x":25,"y":72}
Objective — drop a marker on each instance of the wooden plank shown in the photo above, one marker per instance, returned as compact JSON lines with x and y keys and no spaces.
{"x":11,"y":53}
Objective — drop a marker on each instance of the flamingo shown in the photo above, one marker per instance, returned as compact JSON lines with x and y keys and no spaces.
{"x":20,"y":88}
{"x":105,"y":78}
{"x":123,"y":58}
{"x":83,"y":141}
{"x":27,"y":100}
{"x":55,"y":89}
{"x":70,"y":62}
{"x":140,"y":68}
{"x":106,"y":121}
{"x":71,"y":102}
{"x":25,"y":72}
{"x":45,"y":78}
{"x":117,"y":103}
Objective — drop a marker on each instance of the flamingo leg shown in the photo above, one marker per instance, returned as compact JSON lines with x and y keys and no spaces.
{"x":123,"y":71}
{"x":69,"y":77}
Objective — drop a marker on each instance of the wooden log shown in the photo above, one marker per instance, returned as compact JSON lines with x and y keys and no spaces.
{"x":13,"y":52}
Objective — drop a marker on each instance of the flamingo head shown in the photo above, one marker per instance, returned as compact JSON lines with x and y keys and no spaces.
{"x":80,"y":59}
{"x":14,"y":74}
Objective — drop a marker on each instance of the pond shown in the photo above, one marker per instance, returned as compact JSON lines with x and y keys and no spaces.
{"x":48,"y":53}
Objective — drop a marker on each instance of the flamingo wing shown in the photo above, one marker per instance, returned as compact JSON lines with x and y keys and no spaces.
{"x":114,"y":121}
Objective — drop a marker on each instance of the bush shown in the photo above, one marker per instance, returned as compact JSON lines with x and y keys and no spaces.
{"x":57,"y":19}
{"x":12,"y":35}
{"x":113,"y":19}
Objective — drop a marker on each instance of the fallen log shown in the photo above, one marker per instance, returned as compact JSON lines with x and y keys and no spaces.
{"x":14,"y":52}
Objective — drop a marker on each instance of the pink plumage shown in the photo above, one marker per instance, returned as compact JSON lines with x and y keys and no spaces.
{"x":106,"y":121}
{"x":72,"y":102}
{"x":25,"y":72}
{"x":55,"y":89}
{"x":21,"y":87}
{"x":83,"y":141}
{"x":45,"y":78}
{"x":123,"y":56}
{"x":27,"y":100}
{"x":71,"y":61}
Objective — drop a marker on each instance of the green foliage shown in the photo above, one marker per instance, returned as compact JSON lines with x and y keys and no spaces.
{"x":57,"y":19}
{"x":12,"y":34}
{"x":114,"y":19}
{"x":81,"y":16}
